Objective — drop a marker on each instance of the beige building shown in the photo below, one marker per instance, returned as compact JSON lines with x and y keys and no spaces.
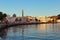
{"x":41,"y":18}
{"x":58,"y":20}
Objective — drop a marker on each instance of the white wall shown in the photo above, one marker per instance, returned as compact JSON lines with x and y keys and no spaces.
{"x":11,"y":19}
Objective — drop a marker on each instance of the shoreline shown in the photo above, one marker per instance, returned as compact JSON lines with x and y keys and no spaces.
{"x":3,"y":26}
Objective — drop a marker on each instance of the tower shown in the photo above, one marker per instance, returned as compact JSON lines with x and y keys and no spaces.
{"x":22,"y":16}
{"x":22,"y":13}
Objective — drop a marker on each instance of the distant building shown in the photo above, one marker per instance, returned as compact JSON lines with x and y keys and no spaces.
{"x":30,"y":19}
{"x":58,"y":21}
{"x":53,"y":18}
{"x":42,"y":18}
{"x":26,"y":19}
{"x":11,"y":19}
{"x":14,"y":15}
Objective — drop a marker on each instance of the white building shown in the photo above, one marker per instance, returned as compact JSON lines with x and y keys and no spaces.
{"x":11,"y":19}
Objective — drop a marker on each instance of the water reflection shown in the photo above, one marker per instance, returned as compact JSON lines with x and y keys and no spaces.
{"x":22,"y":32}
{"x":32,"y":32}
{"x":48,"y":28}
{"x":42,"y":28}
{"x":14,"y":29}
{"x":3,"y":34}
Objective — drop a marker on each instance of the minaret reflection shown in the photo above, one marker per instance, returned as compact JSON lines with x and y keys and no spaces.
{"x":22,"y":32}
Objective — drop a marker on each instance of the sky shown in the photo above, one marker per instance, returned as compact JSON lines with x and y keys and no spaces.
{"x":30,"y":7}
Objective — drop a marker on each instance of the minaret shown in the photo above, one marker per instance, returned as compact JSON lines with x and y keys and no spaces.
{"x":22,"y":16}
{"x":22,"y":13}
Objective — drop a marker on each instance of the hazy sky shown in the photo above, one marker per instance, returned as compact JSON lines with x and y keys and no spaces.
{"x":30,"y":7}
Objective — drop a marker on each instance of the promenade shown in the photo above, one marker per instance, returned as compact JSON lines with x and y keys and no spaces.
{"x":6,"y":25}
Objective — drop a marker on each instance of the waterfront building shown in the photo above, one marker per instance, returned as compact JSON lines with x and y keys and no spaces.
{"x":30,"y":19}
{"x":26,"y":18}
{"x":10,"y":19}
{"x":42,"y":18}
{"x":49,"y":19}
{"x":58,"y":21}
{"x":53,"y":18}
{"x":18,"y":19}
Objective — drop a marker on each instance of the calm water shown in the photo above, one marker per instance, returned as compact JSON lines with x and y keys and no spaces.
{"x":32,"y":32}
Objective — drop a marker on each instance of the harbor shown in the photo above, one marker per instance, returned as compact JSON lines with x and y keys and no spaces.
{"x":33,"y":32}
{"x":8,"y":21}
{"x":29,"y":19}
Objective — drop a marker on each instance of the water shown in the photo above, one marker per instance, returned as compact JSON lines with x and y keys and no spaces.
{"x":32,"y":32}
